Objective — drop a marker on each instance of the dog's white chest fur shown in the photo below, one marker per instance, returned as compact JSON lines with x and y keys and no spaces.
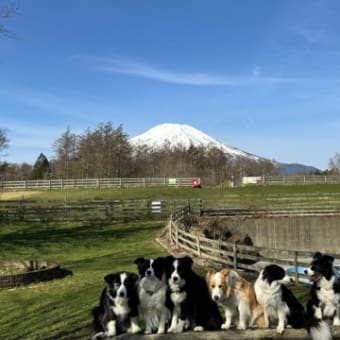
{"x":330,"y":299}
{"x":270,"y":297}
{"x":178,"y":297}
{"x":152,"y":292}
{"x":121,"y":307}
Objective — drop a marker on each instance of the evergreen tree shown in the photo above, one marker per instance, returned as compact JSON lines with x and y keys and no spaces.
{"x":41,"y":168}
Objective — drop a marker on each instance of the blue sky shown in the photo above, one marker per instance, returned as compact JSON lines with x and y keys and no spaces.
{"x":263,"y":76}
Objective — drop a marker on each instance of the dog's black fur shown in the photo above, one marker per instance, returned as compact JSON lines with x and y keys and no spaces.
{"x":280,"y":303}
{"x":119,"y":304}
{"x":190,"y":302}
{"x":325,"y":292}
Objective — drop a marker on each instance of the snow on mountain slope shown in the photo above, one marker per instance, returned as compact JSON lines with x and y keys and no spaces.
{"x":185,"y":135}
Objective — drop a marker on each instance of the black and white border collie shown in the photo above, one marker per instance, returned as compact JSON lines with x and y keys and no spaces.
{"x":118,"y":307}
{"x":152,"y":292}
{"x":325,"y":292}
{"x":191,"y":304}
{"x":280,"y":304}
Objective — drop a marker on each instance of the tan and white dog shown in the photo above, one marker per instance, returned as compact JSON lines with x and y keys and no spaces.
{"x":237,"y":297}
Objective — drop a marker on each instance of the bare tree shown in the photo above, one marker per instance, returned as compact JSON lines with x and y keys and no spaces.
{"x":6,"y":11}
{"x":3,"y":141}
{"x":334,"y":164}
{"x":65,"y":151}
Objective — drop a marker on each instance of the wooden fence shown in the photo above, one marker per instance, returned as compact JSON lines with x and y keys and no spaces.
{"x":299,"y":179}
{"x":85,"y":210}
{"x":221,"y":253}
{"x":96,"y":183}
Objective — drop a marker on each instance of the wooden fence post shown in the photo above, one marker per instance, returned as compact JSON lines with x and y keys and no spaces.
{"x":296,"y":267}
{"x":198,"y":245}
{"x":234,"y":256}
{"x":170,"y":229}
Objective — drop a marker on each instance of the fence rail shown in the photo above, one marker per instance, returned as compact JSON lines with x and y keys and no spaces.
{"x":300,"y":179}
{"x":85,"y":210}
{"x":222,"y":253}
{"x":96,"y":183}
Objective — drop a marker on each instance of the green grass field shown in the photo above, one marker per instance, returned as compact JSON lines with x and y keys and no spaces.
{"x":181,"y":192}
{"x":60,"y":309}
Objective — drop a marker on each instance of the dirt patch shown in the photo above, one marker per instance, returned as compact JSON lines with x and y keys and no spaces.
{"x":13,"y":195}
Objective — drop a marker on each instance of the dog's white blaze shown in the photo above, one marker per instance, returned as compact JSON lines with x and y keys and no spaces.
{"x":122,"y":292}
{"x":176,"y":282}
{"x":175,"y":272}
{"x":151,"y":268}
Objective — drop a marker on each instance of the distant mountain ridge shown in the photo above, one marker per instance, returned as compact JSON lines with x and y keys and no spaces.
{"x":288,"y":169}
{"x":185,"y":135}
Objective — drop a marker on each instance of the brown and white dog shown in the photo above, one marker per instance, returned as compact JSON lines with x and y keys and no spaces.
{"x":237,"y":297}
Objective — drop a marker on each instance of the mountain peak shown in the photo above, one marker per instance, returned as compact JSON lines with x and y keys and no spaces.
{"x":184,"y":135}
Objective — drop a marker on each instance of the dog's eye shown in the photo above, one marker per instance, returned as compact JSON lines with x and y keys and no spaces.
{"x":220,"y":286}
{"x":212,"y":286}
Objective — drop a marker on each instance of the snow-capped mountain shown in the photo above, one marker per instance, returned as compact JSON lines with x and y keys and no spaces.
{"x":184,"y":135}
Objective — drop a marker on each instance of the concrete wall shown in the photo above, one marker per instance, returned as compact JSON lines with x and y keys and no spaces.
{"x":306,"y":233}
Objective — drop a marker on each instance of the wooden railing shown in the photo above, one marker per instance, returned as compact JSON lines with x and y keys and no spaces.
{"x":300,"y":179}
{"x":220,"y":253}
{"x":96,"y":183}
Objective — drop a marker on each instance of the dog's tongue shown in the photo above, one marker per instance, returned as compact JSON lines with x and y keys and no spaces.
{"x":314,"y":277}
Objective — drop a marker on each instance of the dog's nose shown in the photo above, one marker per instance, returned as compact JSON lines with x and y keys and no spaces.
{"x":305,"y":271}
{"x":175,"y":278}
{"x":216,"y":297}
{"x":121,"y":294}
{"x":148,"y":272}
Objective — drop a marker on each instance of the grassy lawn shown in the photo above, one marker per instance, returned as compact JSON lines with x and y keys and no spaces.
{"x":60,"y":309}
{"x":178,"y":193}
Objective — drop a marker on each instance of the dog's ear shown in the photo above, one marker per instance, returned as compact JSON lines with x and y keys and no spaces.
{"x":138,"y":261}
{"x":187,"y":260}
{"x":231,"y":280}
{"x":225,"y":272}
{"x":330,"y":259}
{"x":317,"y":255}
{"x":159,"y":262}
{"x":134,"y":278}
{"x":210,"y":272}
{"x":110,"y":278}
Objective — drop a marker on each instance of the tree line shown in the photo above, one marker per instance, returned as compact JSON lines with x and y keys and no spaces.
{"x":105,"y":152}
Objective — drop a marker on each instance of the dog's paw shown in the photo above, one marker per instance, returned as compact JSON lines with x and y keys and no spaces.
{"x":98,"y":336}
{"x":336,"y":321}
{"x":198,"y":329}
{"x":280,"y":329}
{"x":134,"y":329}
{"x":241,"y":327}
{"x":171,"y":329}
{"x":161,"y":331}
{"x":225,"y":325}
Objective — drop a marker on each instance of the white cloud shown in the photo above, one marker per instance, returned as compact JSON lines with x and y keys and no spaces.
{"x":136,"y":69}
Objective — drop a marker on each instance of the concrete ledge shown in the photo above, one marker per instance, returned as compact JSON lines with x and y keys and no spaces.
{"x":250,"y":334}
